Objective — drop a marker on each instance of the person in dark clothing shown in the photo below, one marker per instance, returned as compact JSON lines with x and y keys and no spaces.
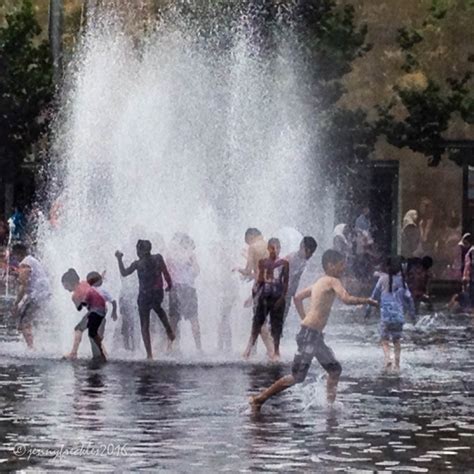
{"x":270,"y":293}
{"x":150,"y":269}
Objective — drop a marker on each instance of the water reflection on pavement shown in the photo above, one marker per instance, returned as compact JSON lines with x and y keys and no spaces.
{"x":193,"y":417}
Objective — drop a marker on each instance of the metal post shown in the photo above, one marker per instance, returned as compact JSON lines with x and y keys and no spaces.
{"x":55,"y":36}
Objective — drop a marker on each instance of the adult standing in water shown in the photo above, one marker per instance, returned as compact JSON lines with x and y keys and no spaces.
{"x":150,"y":269}
{"x":257,"y":250}
{"x":33,"y":293}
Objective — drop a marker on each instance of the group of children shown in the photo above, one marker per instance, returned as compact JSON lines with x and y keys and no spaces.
{"x":275,"y":284}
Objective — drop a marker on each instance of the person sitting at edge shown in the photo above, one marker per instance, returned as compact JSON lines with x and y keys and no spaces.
{"x":310,"y":339}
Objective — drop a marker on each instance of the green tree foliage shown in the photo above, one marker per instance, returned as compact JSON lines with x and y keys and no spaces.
{"x":430,"y":101}
{"x":25,"y":88}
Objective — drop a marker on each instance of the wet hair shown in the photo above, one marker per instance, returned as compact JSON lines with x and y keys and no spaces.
{"x":309,"y":243}
{"x":93,"y":278}
{"x":252,"y":232}
{"x":70,"y":277}
{"x":274,"y":241}
{"x":144,"y":246}
{"x":331,"y":257}
{"x":22,"y":249}
{"x":394,"y":267}
{"x":427,"y":262}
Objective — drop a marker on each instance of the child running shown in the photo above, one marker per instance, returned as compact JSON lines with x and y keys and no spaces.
{"x":84,"y":295}
{"x":395,"y":299}
{"x":310,"y":339}
{"x":151,"y":269}
{"x":270,"y":292}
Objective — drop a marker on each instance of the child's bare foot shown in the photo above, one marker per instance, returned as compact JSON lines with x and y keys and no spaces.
{"x":70,"y":356}
{"x":246,"y":354}
{"x":255,"y":405}
{"x":275,"y":357}
{"x":149,"y":357}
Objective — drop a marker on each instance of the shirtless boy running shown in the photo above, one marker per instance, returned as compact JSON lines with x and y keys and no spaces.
{"x":310,"y":339}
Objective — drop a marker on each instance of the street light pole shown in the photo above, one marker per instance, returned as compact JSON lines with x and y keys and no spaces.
{"x":55,"y":36}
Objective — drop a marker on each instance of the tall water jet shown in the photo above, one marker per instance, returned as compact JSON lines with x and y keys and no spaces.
{"x":197,"y":127}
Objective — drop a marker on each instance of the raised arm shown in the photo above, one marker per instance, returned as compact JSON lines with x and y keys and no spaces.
{"x":124,"y":271}
{"x":298,"y":300}
{"x":348,"y":299}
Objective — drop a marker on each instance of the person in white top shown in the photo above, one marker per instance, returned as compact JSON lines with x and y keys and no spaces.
{"x":34,"y":291}
{"x":184,"y":270}
{"x":297,"y":261}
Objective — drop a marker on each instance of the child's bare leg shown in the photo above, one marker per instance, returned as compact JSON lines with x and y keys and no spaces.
{"x":75,"y":345}
{"x":27,"y":332}
{"x":397,"y":349}
{"x":98,"y":340}
{"x":196,"y":330}
{"x":331,"y":387}
{"x":282,"y":384}
{"x":386,"y":354}
{"x":267,"y":340}
{"x":251,"y":343}
{"x":145,"y":327}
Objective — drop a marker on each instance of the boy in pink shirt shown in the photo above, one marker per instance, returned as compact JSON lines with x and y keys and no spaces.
{"x":84,"y":295}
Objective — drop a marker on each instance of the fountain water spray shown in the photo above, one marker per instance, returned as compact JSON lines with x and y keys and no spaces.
{"x":176,"y":134}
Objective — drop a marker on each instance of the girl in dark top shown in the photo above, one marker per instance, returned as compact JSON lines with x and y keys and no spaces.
{"x":151,"y":269}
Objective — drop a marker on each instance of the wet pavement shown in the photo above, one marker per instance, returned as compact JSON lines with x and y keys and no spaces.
{"x":183,"y":416}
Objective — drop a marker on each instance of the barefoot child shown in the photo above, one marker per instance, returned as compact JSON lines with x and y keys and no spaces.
{"x":395,"y":298}
{"x":83,"y":295}
{"x":151,"y":269}
{"x":257,"y":250}
{"x":310,"y":339}
{"x":270,"y":292}
{"x":96,"y":280}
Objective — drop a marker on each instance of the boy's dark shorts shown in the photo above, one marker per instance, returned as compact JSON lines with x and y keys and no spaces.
{"x":311,"y":345}
{"x":94,"y":321}
{"x":148,"y":301}
{"x":183,"y":302}
{"x":83,"y":324}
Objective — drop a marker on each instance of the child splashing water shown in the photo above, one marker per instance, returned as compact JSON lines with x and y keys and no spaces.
{"x":310,"y":339}
{"x":395,"y":299}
